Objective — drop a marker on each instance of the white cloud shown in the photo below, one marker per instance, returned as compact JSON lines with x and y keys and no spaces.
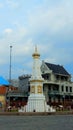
{"x":8,"y":30}
{"x":23,"y":49}
{"x":22,"y":46}
{"x":12,"y":3}
{"x":53,"y":19}
{"x":1,"y":5}
{"x":14,"y":35}
{"x":43,"y":26}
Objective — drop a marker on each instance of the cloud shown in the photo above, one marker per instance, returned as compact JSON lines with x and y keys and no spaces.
{"x":22,"y":46}
{"x":8,"y":30}
{"x":47,"y":25}
{"x":23,"y":49}
{"x":11,"y":35}
{"x":53,"y":19}
{"x":1,"y":5}
{"x":12,"y":3}
{"x":55,"y":26}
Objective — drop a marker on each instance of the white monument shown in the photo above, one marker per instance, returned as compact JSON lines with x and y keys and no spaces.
{"x":36,"y":100}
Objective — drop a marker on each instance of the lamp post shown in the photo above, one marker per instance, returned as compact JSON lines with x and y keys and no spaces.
{"x":10,"y":72}
{"x":10,"y":64}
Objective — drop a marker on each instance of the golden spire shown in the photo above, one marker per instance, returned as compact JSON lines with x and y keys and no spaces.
{"x":36,"y":54}
{"x":36,"y":49}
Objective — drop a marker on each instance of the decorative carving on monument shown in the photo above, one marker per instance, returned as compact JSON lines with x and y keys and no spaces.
{"x":39,"y":89}
{"x":32,"y":89}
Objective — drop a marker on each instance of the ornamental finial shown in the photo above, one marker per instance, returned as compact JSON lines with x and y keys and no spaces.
{"x":36,"y":54}
{"x":36,"y":48}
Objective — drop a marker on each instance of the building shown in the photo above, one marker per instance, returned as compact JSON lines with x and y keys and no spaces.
{"x":58,"y":87}
{"x":3,"y":90}
{"x":16,"y":98}
{"x":11,"y":95}
{"x":3,"y":81}
{"x":24,"y":84}
{"x":15,"y":82}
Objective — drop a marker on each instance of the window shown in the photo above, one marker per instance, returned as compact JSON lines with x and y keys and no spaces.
{"x":62,"y":88}
{"x":46,"y":76}
{"x":70,"y":89}
{"x":49,"y":87}
{"x":57,"y":77}
{"x":66,"y":88}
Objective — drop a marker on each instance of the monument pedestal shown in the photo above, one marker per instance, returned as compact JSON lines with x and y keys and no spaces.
{"x":36,"y":103}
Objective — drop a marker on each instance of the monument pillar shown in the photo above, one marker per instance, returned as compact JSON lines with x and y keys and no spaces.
{"x":36,"y":100}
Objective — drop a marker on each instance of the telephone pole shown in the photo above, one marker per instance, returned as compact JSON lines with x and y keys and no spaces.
{"x":10,"y":64}
{"x":10,"y":69}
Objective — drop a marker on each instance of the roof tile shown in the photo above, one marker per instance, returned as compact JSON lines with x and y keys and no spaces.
{"x":57,"y":69}
{"x":2,"y":90}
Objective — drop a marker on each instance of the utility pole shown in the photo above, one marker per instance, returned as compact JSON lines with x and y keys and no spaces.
{"x":10,"y":70}
{"x":10,"y":64}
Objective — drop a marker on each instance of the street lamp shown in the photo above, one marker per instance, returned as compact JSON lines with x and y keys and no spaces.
{"x":10,"y":72}
{"x":10,"y":64}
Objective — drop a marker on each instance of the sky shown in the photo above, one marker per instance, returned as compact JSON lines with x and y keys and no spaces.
{"x":27,"y":23}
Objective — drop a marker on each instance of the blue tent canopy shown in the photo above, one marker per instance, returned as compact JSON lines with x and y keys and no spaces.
{"x":3,"y":81}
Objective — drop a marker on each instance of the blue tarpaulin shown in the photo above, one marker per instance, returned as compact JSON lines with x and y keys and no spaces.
{"x":3,"y":81}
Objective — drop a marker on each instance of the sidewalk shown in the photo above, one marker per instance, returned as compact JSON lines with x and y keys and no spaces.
{"x":37,"y":113}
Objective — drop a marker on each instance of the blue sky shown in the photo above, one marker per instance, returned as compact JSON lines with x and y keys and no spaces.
{"x":26,"y":23}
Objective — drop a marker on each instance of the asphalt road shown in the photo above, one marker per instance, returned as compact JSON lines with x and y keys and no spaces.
{"x":50,"y":122}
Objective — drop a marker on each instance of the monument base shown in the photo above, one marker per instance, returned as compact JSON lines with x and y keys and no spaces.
{"x":36,"y":103}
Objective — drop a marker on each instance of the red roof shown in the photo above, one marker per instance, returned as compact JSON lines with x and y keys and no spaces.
{"x":2,"y":90}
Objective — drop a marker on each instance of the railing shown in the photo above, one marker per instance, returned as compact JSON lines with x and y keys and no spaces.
{"x":52,"y":81}
{"x":16,"y":94}
{"x":52,"y":92}
{"x":55,"y":81}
